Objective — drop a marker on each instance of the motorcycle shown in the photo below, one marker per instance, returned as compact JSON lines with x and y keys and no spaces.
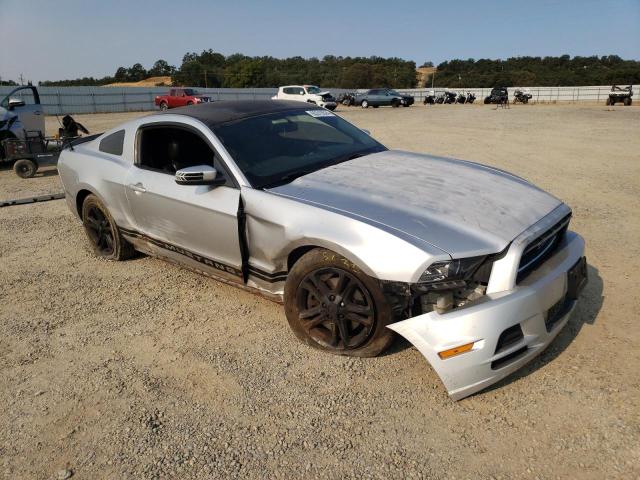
{"x":430,"y":99}
{"x":522,"y":96}
{"x":461,"y":98}
{"x":470,"y":97}
{"x":450,"y":97}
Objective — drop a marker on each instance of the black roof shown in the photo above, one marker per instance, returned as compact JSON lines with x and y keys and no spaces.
{"x":216,"y":113}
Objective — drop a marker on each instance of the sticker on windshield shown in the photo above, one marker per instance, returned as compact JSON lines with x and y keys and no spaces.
{"x":320,"y":113}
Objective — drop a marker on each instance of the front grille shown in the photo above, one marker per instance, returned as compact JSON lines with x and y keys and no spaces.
{"x":543,"y":247}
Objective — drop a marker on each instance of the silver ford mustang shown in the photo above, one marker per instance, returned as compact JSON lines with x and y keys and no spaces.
{"x":473,"y":265}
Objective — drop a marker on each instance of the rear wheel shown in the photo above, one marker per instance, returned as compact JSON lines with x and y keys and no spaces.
{"x":333,"y":306}
{"x":102,"y":232}
{"x":25,"y":168}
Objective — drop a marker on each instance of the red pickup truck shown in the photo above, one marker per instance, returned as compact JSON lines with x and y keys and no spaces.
{"x":180,"y":97}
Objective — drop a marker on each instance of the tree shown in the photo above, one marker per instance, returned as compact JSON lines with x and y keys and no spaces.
{"x":137,"y":73}
{"x":161,"y":68}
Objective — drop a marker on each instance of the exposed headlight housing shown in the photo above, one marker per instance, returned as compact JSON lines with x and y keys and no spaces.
{"x":451,"y":270}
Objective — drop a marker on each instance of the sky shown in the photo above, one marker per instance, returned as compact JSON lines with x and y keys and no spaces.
{"x":60,"y":39}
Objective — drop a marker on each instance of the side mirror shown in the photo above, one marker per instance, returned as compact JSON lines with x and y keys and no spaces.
{"x":199,"y":175}
{"x":15,"y":102}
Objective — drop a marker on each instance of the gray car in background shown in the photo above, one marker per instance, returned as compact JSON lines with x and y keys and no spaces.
{"x":383,"y":97}
{"x":475,"y":266}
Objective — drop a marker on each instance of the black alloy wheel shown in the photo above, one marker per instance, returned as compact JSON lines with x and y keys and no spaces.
{"x":332,"y":305}
{"x":99,"y":231}
{"x":102,"y":231}
{"x":336,"y":309}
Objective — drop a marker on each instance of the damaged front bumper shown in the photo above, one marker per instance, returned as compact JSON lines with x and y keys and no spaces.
{"x":507,"y":329}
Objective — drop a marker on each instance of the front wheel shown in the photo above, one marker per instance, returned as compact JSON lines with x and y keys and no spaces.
{"x":102,"y":231}
{"x":364,"y":104}
{"x":163,"y":106}
{"x":25,"y":168}
{"x":333,"y":306}
{"x":627,"y":102}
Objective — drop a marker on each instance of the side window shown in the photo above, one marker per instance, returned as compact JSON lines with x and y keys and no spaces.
{"x":288,"y":90}
{"x":168,"y":148}
{"x":299,"y":90}
{"x":172,"y":93}
{"x":113,"y":143}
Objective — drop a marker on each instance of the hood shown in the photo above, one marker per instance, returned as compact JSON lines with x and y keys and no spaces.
{"x":463,"y":208}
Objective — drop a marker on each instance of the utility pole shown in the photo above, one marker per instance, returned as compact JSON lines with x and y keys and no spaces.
{"x":205,"y":79}
{"x":433,"y":77}
{"x":21,"y":79}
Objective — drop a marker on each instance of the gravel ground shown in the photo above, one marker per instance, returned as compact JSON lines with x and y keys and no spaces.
{"x":140,"y":369}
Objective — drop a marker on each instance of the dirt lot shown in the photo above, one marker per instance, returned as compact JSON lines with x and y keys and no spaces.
{"x":143,"y":370}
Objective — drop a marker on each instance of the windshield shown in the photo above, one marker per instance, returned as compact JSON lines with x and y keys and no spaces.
{"x":313,"y":90}
{"x":277,"y":148}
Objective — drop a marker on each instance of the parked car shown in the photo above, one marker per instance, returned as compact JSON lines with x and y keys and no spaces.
{"x":307,"y":93}
{"x":477,"y":269}
{"x":521,"y":95}
{"x":620,"y":95}
{"x":180,"y":97}
{"x":499,"y":95}
{"x":379,"y":97}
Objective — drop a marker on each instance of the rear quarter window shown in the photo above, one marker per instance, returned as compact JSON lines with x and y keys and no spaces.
{"x":113,"y":144}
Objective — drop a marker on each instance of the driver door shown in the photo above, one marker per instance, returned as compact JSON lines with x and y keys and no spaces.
{"x":195,"y":225}
{"x":29,"y":110}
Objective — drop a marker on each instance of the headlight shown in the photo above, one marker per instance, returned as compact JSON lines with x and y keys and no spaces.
{"x":450,"y":270}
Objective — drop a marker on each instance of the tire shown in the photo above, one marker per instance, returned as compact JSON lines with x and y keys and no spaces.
{"x":333,"y":306}
{"x":163,"y":106}
{"x":627,"y":102}
{"x":364,"y":104}
{"x":525,"y":100}
{"x":103,"y":233}
{"x":25,"y":168}
{"x":189,"y":103}
{"x":609,"y":102}
{"x":487,"y":101}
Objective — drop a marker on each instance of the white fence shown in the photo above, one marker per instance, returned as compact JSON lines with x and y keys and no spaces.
{"x":60,"y":100}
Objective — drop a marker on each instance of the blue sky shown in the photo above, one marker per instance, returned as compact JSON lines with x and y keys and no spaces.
{"x":55,"y":39}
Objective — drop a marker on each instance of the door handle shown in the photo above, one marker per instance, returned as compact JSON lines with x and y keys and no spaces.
{"x":138,"y":187}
